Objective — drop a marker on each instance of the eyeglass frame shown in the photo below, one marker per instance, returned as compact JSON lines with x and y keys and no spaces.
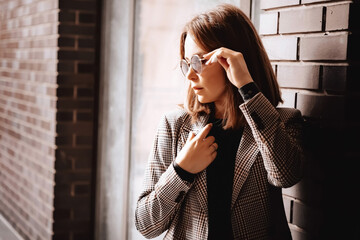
{"x":190,"y":65}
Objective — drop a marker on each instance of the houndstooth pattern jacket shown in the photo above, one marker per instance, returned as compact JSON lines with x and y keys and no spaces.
{"x":269,"y":158}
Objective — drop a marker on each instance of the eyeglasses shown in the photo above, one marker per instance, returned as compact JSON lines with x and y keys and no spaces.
{"x":195,"y":62}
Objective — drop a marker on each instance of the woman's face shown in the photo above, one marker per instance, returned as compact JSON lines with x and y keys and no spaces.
{"x":209,"y":85}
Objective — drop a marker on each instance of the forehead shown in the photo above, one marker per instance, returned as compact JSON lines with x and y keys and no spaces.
{"x":191,"y":48}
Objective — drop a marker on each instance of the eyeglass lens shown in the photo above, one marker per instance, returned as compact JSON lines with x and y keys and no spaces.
{"x":195,"y":63}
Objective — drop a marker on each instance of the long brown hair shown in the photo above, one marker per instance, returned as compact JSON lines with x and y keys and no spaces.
{"x":227,"y":26}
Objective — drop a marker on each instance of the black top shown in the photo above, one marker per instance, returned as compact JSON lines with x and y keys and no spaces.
{"x":219,"y":176}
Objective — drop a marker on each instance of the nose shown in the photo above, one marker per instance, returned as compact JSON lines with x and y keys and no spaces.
{"x":191,"y":74}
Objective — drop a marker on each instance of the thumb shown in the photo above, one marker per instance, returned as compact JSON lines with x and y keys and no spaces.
{"x":190,"y":137}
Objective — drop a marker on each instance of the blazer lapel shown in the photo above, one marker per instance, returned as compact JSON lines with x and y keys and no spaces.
{"x":245,"y":157}
{"x":200,"y":179}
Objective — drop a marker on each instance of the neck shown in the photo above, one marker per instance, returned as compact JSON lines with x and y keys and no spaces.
{"x":219,"y":110}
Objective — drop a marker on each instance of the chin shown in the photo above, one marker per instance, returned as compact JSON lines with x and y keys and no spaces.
{"x":203,"y":100}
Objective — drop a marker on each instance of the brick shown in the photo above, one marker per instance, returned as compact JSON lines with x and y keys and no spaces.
{"x":64,"y":163}
{"x":289,"y":98}
{"x":75,"y":104}
{"x":82,"y":189}
{"x":72,"y":225}
{"x":302,"y":20}
{"x":280,"y":47}
{"x":68,"y":178}
{"x":329,"y":108}
{"x":86,"y":43}
{"x":82,"y":236}
{"x":337,"y":17}
{"x":266,"y":4}
{"x":334,"y":78}
{"x":313,"y":1}
{"x":332,"y":47}
{"x":63,"y":190}
{"x":85,"y":68}
{"x":268,"y":23}
{"x":306,"y":217}
{"x":66,"y":42}
{"x":287,"y":207}
{"x":74,"y":128}
{"x":85,"y":116}
{"x":82,"y":163}
{"x":61,"y":236}
{"x":75,"y":29}
{"x":76,"y":79}
{"x":65,"y":92}
{"x":308,"y":189}
{"x":67,"y":66}
{"x":64,"y":140}
{"x":66,"y":16}
{"x":87,"y":18}
{"x":84,"y":140}
{"x":306,"y":77}
{"x":76,"y":55}
{"x":78,"y":5}
{"x":298,"y":233}
{"x":85,"y":92}
{"x":28,"y":114}
{"x":64,"y":116}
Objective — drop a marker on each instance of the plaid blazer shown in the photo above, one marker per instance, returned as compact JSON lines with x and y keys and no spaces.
{"x":269,"y":158}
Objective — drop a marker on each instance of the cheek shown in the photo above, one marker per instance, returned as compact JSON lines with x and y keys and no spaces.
{"x":218,"y":80}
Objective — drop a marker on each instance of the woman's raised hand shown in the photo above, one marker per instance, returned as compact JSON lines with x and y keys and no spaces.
{"x":234,"y":64}
{"x":198,"y":152}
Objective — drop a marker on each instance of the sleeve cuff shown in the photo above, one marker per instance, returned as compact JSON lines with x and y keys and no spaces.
{"x":170,"y":186}
{"x":183,"y":174}
{"x":248,"y":91}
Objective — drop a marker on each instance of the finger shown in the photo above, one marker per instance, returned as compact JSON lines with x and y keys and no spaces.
{"x":204,"y":132}
{"x":190,"y":137}
{"x":209,"y":140}
{"x":209,"y":54}
{"x":223,"y":62}
{"x":217,"y":55}
{"x":213,"y":155}
{"x":212,"y":58}
{"x":215,"y":145}
{"x":213,"y":148}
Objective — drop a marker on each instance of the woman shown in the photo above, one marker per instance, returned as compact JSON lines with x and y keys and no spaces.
{"x":218,"y":164}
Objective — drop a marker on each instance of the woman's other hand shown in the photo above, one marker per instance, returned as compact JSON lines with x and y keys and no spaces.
{"x":234,"y":64}
{"x":199,"y":151}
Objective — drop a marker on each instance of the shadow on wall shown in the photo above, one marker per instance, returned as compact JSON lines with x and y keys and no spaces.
{"x":329,"y":185}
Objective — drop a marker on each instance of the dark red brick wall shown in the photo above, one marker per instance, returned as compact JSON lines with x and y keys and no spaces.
{"x":49,"y":53}
{"x":28,"y":78}
{"x":312,"y":46}
{"x":77,"y":93}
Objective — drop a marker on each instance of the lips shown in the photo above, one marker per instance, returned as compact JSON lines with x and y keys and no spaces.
{"x":197,"y":88}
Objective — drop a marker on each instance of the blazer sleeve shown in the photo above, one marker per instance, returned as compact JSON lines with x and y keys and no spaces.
{"x":163,"y":190}
{"x":278,"y":137}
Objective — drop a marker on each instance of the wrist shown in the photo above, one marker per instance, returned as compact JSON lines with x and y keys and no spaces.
{"x":248,"y":91}
{"x":183,"y":174}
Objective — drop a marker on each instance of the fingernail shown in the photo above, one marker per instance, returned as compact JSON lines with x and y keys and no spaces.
{"x":214,"y":59}
{"x":207,"y":62}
